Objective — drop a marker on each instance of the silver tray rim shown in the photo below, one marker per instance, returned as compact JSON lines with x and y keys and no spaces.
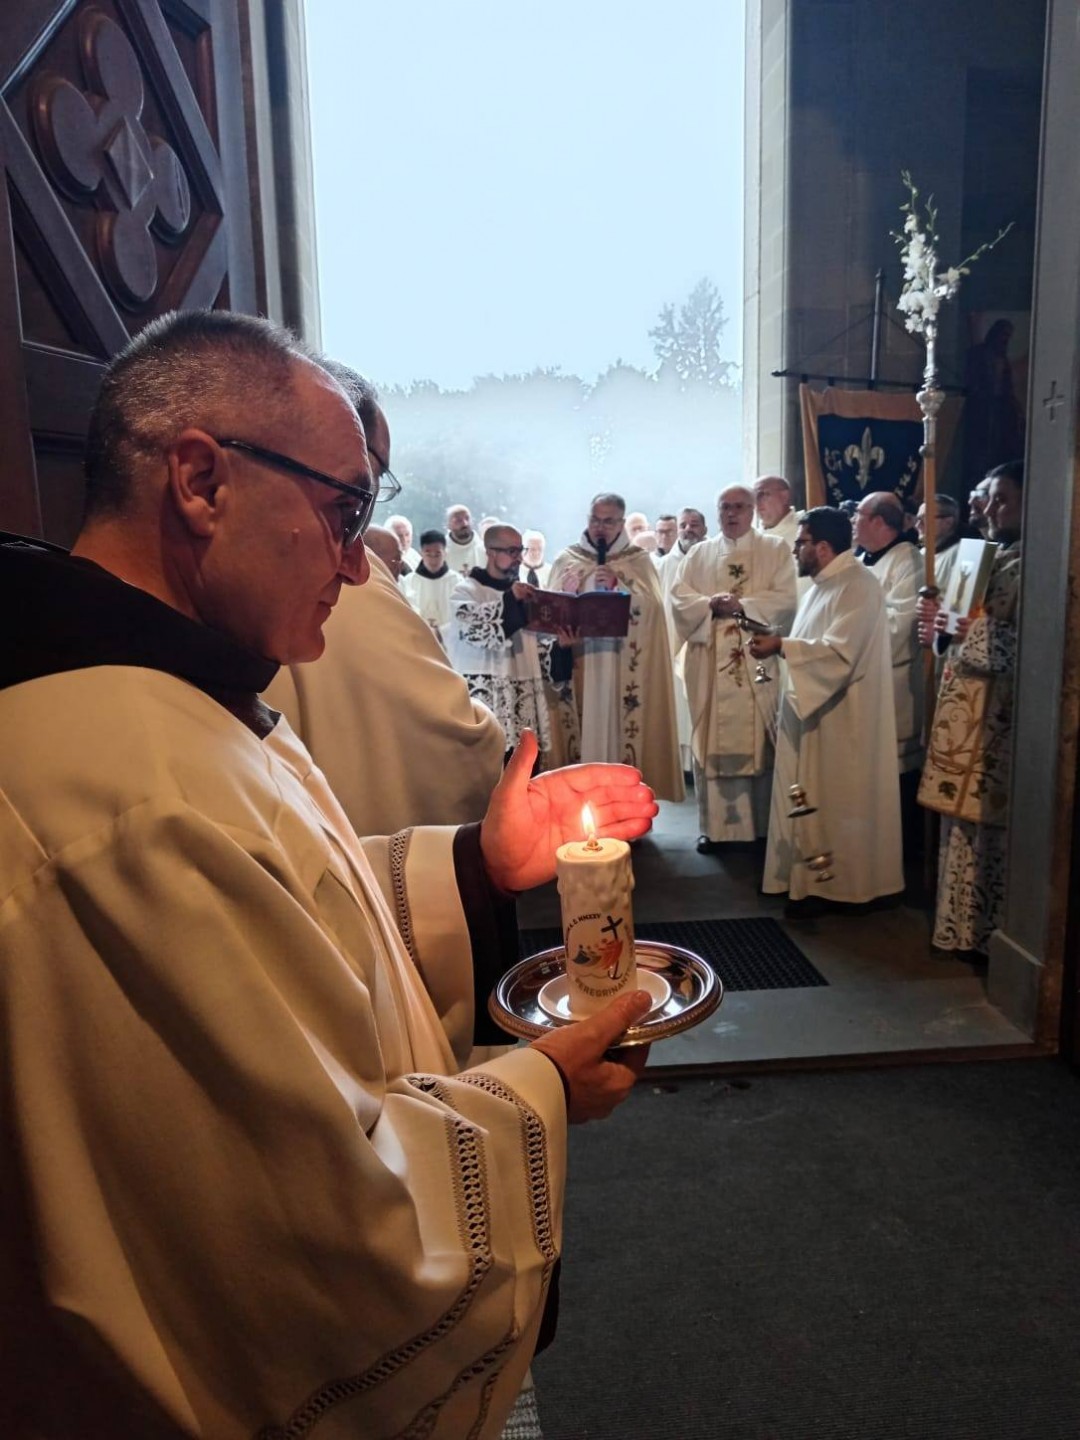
{"x":658,"y":1026}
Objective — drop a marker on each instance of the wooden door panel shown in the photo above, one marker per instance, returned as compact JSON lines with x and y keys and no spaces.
{"x":125,"y":194}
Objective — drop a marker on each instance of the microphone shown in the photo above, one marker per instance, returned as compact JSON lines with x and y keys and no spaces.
{"x":601,"y":550}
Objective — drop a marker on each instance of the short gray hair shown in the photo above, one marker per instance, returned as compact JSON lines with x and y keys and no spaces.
{"x":189,"y":367}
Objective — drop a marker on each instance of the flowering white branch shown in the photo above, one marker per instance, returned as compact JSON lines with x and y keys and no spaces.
{"x":925,"y":286}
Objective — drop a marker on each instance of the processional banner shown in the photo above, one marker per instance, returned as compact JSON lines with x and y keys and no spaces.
{"x":857,"y":441}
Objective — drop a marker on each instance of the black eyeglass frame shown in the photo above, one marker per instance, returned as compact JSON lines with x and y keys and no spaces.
{"x":517,"y":550}
{"x":365,"y":499}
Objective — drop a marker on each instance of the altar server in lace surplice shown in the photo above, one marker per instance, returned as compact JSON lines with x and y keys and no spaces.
{"x":504,"y":664}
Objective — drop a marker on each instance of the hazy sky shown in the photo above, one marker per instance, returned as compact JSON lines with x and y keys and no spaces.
{"x":505,"y":184}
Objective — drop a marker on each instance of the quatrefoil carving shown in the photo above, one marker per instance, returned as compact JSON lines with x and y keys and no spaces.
{"x":94,"y":144}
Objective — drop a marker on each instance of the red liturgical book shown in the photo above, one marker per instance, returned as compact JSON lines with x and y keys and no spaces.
{"x":594,"y":615}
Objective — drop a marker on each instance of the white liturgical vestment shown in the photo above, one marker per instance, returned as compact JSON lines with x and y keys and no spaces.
{"x":429,"y":595}
{"x":464,"y":557}
{"x":733,"y":715}
{"x":667,"y":568}
{"x":622,"y":701}
{"x":257,"y":1199}
{"x":504,"y":671}
{"x":900,"y":572}
{"x":836,"y":737}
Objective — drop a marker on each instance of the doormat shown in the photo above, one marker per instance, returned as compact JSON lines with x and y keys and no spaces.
{"x":751,"y":954}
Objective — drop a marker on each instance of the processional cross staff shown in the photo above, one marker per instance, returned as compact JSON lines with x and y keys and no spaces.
{"x":924,"y":288}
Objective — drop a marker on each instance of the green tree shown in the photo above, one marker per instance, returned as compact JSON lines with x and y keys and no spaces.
{"x":688,"y":344}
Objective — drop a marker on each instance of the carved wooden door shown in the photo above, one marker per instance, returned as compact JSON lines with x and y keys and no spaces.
{"x":125,"y":194}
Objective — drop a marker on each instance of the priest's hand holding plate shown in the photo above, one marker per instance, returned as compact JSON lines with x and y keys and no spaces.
{"x":529,"y":817}
{"x":597,"y":1081}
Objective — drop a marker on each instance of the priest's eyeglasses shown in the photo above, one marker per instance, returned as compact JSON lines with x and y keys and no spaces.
{"x":517,"y":550}
{"x":353,"y":525}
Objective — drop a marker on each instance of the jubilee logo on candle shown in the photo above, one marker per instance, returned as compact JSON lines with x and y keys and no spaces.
{"x":595,"y":884}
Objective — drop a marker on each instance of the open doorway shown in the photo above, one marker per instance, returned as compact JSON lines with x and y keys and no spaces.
{"x":460,"y":262}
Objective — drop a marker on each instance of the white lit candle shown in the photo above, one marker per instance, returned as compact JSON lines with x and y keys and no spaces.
{"x":595,"y":883}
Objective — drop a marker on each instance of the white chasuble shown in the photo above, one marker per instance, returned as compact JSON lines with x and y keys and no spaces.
{"x":621,"y":706}
{"x":261,"y":1201}
{"x":733,"y":716}
{"x":836,"y":737}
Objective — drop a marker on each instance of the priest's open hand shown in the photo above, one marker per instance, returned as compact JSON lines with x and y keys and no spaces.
{"x":529,"y":818}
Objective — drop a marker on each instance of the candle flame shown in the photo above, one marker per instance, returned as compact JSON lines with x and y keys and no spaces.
{"x":588,"y":824}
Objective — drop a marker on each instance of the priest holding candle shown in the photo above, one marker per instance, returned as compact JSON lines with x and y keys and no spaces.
{"x":249,"y":1182}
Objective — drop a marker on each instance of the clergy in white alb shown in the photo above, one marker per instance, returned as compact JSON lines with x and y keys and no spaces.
{"x":464,"y":547}
{"x":401,"y":525}
{"x":502,"y":662}
{"x":740,"y":572}
{"x":429,"y":586}
{"x":244,"y":1189}
{"x":900,"y":570}
{"x":666,"y":530}
{"x":535,"y":570}
{"x":776,"y":515}
{"x":836,"y":735}
{"x":686,"y":530}
{"x":621,"y":705}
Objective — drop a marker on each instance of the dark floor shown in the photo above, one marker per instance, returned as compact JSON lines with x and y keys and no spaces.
{"x":888,"y":991}
{"x":874,"y":1254}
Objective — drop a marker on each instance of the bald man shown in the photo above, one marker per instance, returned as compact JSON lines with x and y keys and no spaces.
{"x":385,"y":544}
{"x":464,"y":548}
{"x":741,"y":572}
{"x":774,"y":514}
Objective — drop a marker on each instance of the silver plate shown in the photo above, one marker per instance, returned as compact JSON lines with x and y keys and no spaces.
{"x":696,"y":991}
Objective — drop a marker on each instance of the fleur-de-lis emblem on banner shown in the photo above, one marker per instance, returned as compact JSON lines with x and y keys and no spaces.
{"x":864,"y":458}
